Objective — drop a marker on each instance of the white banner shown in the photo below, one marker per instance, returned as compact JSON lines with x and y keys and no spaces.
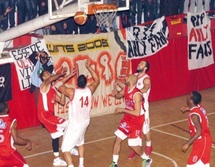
{"x":200,"y":51}
{"x":24,"y":67}
{"x":143,"y":41}
{"x":109,"y":60}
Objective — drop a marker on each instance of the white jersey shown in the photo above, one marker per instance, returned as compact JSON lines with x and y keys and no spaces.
{"x":80,"y":106}
{"x":140,"y":85}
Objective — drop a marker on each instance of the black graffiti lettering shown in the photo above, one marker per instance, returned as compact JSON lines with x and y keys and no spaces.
{"x":203,"y":50}
{"x":58,"y":48}
{"x":99,"y":43}
{"x":134,"y":49}
{"x":192,"y":49}
{"x":197,"y":20}
{"x":26,"y":51}
{"x":25,"y":83}
{"x":136,"y":32}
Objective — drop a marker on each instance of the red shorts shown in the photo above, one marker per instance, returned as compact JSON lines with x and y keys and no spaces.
{"x":54,"y":124}
{"x":201,"y":151}
{"x":12,"y":159}
{"x":131,"y":126}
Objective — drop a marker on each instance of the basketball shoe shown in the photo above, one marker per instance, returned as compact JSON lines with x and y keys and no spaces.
{"x":113,"y":165}
{"x":132,"y":154}
{"x":148,"y":150}
{"x":146,"y":162}
{"x":59,"y":162}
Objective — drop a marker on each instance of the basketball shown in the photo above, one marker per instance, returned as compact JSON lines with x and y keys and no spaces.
{"x":80,"y":18}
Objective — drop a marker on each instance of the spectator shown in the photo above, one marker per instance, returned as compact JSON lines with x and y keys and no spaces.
{"x":43,"y":9}
{"x":150,"y":10}
{"x":27,"y":10}
{"x":136,"y":9}
{"x":71,"y":26}
{"x":4,"y":9}
{"x":12,"y":4}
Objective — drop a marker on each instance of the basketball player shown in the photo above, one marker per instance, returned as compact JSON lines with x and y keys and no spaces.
{"x":41,"y":61}
{"x":144,"y":85}
{"x":79,"y":113}
{"x":46,"y":100}
{"x":199,"y":131}
{"x":132,"y":122}
{"x":9,"y":156}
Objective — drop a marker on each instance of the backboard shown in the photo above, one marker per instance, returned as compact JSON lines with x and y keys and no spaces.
{"x":68,"y":8}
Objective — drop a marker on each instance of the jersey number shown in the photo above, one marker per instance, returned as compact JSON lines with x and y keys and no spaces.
{"x":1,"y":136}
{"x":84,"y":101}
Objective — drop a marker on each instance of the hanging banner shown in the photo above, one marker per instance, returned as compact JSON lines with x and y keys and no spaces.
{"x":143,"y":41}
{"x":200,"y":51}
{"x":108,"y":59}
{"x":5,"y":82}
{"x":24,"y":67}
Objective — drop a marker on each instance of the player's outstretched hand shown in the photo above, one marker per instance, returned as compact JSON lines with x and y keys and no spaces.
{"x":185,"y":109}
{"x":73,"y":71}
{"x":185,"y":147}
{"x":88,"y":63}
{"x":118,"y":110}
{"x":29,"y":145}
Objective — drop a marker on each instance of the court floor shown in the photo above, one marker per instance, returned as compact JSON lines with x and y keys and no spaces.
{"x":169,"y":130}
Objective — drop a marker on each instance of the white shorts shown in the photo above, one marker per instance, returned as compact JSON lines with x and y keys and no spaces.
{"x":146,"y":128}
{"x":74,"y":135}
{"x":131,"y":142}
{"x":199,"y":163}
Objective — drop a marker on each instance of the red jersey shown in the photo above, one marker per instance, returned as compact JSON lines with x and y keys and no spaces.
{"x":46,"y":100}
{"x":9,"y":155}
{"x":6,"y":140}
{"x":129,"y":99}
{"x":54,"y":124}
{"x":201,"y":150}
{"x":200,"y":111}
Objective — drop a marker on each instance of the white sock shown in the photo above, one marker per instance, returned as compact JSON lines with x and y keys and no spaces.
{"x":56,"y":154}
{"x":81,"y":161}
{"x":71,"y":166}
{"x":115,"y":158}
{"x":144,"y":156}
{"x":148,"y":143}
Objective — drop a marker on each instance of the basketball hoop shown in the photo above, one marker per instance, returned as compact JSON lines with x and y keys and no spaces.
{"x":105,"y":15}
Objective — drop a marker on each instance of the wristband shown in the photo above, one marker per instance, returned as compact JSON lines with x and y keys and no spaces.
{"x":58,"y":84}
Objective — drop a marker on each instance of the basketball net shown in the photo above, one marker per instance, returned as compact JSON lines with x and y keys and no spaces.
{"x":105,"y":15}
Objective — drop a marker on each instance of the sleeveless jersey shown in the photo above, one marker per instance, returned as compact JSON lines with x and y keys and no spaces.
{"x":6,"y":139}
{"x":80,"y":106}
{"x":200,"y":111}
{"x":140,"y":85}
{"x":46,"y":100}
{"x":129,"y":99}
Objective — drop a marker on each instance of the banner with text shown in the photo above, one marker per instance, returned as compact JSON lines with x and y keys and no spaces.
{"x":108,"y":57}
{"x":24,"y":67}
{"x":200,"y":51}
{"x":143,"y":41}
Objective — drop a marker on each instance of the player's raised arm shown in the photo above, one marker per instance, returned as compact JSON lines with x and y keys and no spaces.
{"x":96,"y":81}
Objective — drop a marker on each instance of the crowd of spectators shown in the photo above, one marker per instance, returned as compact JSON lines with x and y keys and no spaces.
{"x":141,"y":11}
